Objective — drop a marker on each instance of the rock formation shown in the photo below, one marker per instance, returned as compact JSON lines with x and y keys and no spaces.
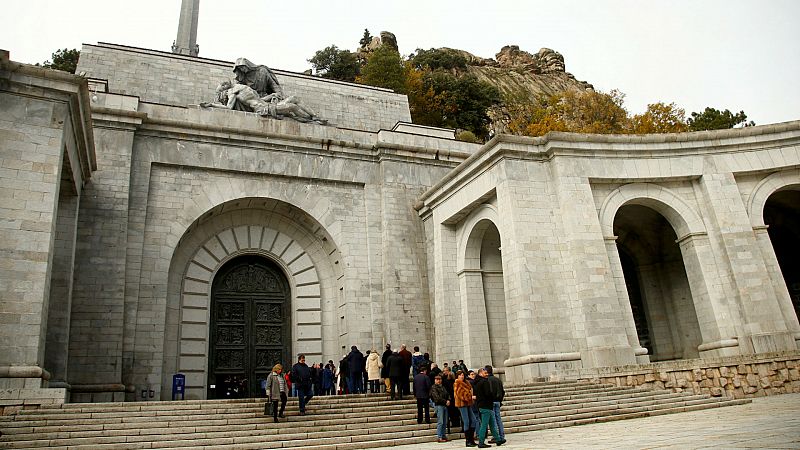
{"x":522,"y":78}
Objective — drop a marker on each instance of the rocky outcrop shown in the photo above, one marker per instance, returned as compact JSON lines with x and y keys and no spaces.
{"x":522,"y":78}
{"x":386,"y":38}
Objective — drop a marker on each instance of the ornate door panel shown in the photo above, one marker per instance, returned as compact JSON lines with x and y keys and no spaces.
{"x":250,"y":326}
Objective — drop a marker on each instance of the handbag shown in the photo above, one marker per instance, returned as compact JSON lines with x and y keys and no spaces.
{"x":268,"y":408}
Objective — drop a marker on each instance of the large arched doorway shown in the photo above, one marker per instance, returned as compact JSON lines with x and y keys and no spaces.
{"x":658,"y":288}
{"x":782,"y":214}
{"x":250,"y":326}
{"x":485,"y":306}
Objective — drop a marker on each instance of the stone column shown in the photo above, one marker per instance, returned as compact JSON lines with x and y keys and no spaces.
{"x":186,"y":42}
{"x":31,"y":164}
{"x":46,"y":155}
{"x":447,"y":303}
{"x":605,"y":320}
{"x":58,"y":321}
{"x":624,"y":301}
{"x":778,"y":282}
{"x":99,"y":315}
{"x":764,"y":327}
{"x":717,"y":315}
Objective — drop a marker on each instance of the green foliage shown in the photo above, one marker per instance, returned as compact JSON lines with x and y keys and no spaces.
{"x":366,"y":39}
{"x":64,"y":59}
{"x":384,"y":68}
{"x":467,"y":136}
{"x":576,"y":111}
{"x":458,"y":102}
{"x":713,"y":119}
{"x":335,"y":64}
{"x":434,"y":59}
{"x":659,"y":118}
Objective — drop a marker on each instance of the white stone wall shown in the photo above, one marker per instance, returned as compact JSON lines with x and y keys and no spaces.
{"x":557,"y":197}
{"x":166,"y":78}
{"x":46,"y":154}
{"x":31,"y":152}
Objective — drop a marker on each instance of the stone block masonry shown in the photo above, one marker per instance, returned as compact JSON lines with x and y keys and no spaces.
{"x":736,"y":376}
{"x":160,"y":77}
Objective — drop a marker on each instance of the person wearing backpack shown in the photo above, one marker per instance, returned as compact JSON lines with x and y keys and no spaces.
{"x":301,"y":377}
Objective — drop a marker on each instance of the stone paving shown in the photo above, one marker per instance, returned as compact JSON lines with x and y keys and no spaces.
{"x":768,"y":422}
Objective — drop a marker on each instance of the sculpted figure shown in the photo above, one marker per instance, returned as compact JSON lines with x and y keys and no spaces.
{"x":258,"y":77}
{"x":244,"y":98}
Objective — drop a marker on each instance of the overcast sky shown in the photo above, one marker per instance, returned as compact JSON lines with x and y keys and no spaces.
{"x":740,"y":55}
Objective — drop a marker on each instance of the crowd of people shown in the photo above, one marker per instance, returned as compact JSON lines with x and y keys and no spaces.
{"x":470,"y":399}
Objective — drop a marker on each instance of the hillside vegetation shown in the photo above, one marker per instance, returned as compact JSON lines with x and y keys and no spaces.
{"x":515,"y":92}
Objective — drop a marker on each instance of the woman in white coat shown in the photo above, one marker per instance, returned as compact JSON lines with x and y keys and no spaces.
{"x":374,"y":371}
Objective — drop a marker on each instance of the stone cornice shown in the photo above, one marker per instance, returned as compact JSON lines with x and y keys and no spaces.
{"x":39,"y":82}
{"x":326,"y":141}
{"x":561,"y":144}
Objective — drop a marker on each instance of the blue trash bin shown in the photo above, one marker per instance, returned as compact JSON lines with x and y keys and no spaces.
{"x":178,"y":385}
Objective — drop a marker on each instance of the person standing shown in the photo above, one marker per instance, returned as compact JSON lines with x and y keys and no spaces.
{"x":422,"y":389}
{"x":416,"y":361}
{"x":373,"y":371}
{"x":448,"y":380}
{"x":276,"y":390}
{"x":301,"y":377}
{"x":484,"y":398}
{"x":385,"y":367}
{"x":355,"y":362}
{"x":406,"y":355}
{"x":462,"y":394}
{"x":441,"y":400}
{"x":344,"y":375}
{"x":496,"y":385}
{"x":328,"y":379}
{"x":396,"y":367}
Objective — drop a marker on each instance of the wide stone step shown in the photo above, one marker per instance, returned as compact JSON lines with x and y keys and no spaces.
{"x":375,"y":440}
{"x":337,"y":422}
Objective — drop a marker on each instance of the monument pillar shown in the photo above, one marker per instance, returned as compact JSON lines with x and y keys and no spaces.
{"x":186,"y":42}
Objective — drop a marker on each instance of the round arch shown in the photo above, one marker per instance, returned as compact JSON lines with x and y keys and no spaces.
{"x":679,"y":214}
{"x":482,"y":286}
{"x":294,"y":241}
{"x":471,"y":234}
{"x":787,"y":179}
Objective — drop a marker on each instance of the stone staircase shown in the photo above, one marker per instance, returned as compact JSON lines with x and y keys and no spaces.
{"x":331,"y":423}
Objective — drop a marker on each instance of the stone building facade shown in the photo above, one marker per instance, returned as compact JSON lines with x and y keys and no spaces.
{"x":145,"y":236}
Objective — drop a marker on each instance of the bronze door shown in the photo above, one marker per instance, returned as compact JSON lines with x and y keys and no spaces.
{"x":250,"y":326}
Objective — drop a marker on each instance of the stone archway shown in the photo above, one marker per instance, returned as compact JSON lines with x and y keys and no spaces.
{"x":658,"y":288}
{"x":782,"y":216}
{"x":486,"y":334}
{"x":296,"y":246}
{"x":773,"y":211}
{"x":712,"y":311}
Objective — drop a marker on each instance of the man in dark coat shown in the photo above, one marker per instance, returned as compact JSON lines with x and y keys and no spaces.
{"x":406,"y":355}
{"x":356,"y":364}
{"x":396,"y":370}
{"x":499,"y":392}
{"x":344,"y":375}
{"x":385,"y":369}
{"x":422,"y":389}
{"x":301,"y":377}
{"x":484,"y":398}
